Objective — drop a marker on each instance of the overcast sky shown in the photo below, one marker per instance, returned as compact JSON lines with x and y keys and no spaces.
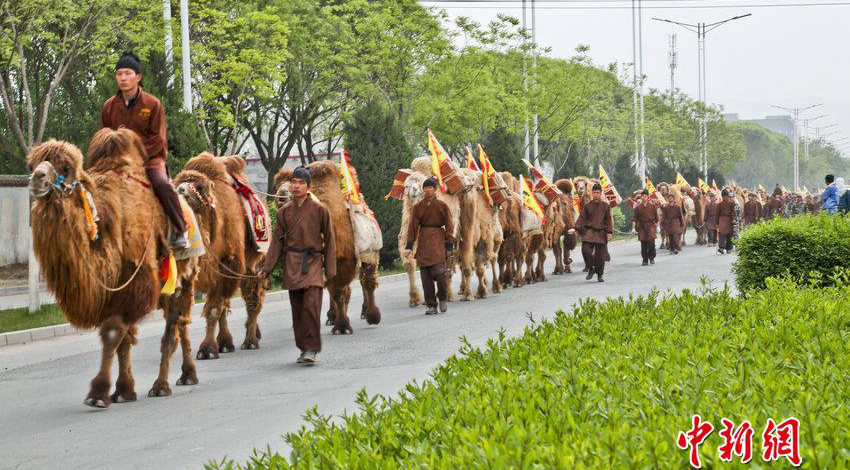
{"x":786,"y":56}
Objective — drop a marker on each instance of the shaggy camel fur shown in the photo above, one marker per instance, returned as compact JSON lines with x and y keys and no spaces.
{"x":232,"y":260}
{"x":112,"y":282}
{"x":511,"y":252}
{"x":326,"y":186}
{"x":420,"y":169}
{"x":551,"y":230}
{"x":480,"y":237}
{"x":568,"y":215}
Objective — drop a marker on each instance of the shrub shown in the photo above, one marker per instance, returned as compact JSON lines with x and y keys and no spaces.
{"x":804,"y":247}
{"x":609,"y":385}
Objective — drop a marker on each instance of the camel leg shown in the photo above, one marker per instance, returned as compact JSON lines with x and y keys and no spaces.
{"x":369,"y":284}
{"x":253,"y":292}
{"x":225,"y":337}
{"x":414,"y":297}
{"x":495,"y":267}
{"x":213,"y":309}
{"x":340,"y":295}
{"x":519,"y":279}
{"x":112,"y":333}
{"x":125,"y":386}
{"x":529,"y":267}
{"x":541,"y":259}
{"x":481,"y":273}
{"x":556,"y":252}
{"x":167,"y":346}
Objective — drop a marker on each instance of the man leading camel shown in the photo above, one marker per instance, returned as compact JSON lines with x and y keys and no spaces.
{"x":645,"y":220}
{"x":142,"y":113}
{"x":596,"y":227}
{"x":431,"y":224}
{"x":303,"y":231}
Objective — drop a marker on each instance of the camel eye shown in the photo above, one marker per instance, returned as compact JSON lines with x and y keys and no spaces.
{"x":66,"y":169}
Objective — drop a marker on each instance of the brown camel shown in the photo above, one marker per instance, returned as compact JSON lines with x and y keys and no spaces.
{"x":420,"y":169}
{"x":511,"y":251}
{"x":232,"y":258}
{"x":563,"y":260}
{"x":480,"y":236}
{"x":113,"y":281}
{"x":326,"y":187}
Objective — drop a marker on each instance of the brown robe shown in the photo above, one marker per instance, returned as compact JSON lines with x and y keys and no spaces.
{"x":645,"y":220}
{"x":145,"y":117}
{"x":431,"y":224}
{"x":673,"y":219}
{"x":303,"y":231}
{"x":773,"y":208}
{"x":595,"y":222}
{"x":725,"y":218}
{"x":711,"y":215}
{"x":752,"y":212}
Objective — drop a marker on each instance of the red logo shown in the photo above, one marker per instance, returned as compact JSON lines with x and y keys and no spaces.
{"x":694,"y":437}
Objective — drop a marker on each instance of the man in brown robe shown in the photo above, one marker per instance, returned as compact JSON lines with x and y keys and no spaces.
{"x":752,"y":210}
{"x":774,"y":207}
{"x":143,"y":114}
{"x":711,"y":218}
{"x":645,"y":220}
{"x":303,"y":236}
{"x":431,"y":224}
{"x":725,"y":220}
{"x":596,"y":227}
{"x":674,"y":223}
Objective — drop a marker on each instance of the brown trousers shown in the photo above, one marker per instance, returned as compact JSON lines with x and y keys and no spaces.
{"x":712,"y":236}
{"x":725,"y":242}
{"x":647,"y":250}
{"x":307,"y":317}
{"x":433,"y":274}
{"x":673,"y":241}
{"x":594,"y":255}
{"x":166,"y":194}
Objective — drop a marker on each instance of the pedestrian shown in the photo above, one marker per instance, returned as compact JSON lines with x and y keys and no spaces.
{"x":843,"y":196}
{"x":752,"y":210}
{"x":829,"y":197}
{"x":711,"y":218}
{"x":673,"y":220}
{"x":431,"y":225}
{"x":725,"y":221}
{"x":304,"y":238}
{"x":810,"y":204}
{"x":143,"y":114}
{"x":773,"y":208}
{"x":645,"y":221}
{"x":596,"y":227}
{"x":795,"y":206}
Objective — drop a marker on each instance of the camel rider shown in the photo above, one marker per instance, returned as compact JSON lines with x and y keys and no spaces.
{"x":304,"y":234}
{"x":596,"y":227}
{"x":142,"y":113}
{"x":431,"y":224}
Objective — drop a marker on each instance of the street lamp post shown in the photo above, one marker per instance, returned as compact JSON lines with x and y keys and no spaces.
{"x":796,"y":112}
{"x":701,"y":29}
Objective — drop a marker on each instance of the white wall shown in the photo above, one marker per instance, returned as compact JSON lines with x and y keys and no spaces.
{"x":14,"y":225}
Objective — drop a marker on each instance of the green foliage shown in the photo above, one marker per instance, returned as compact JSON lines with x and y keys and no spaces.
{"x":376,"y":143}
{"x":21,"y":319}
{"x":809,"y":248}
{"x":609,"y":385}
{"x":621,"y":222}
{"x":505,"y":150}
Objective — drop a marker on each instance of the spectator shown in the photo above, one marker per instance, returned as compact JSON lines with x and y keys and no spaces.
{"x":829,"y":197}
{"x":843,"y":196}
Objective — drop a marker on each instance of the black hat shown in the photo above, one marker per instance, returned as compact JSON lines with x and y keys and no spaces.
{"x":596,"y":187}
{"x":302,"y":174}
{"x":129,"y":60}
{"x":645,"y":192}
{"x":430,"y":182}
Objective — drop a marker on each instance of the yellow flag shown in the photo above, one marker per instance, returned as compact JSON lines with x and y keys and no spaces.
{"x":681,"y":180}
{"x":486,"y":171}
{"x":703,"y":187}
{"x":805,"y":191}
{"x":170,"y":284}
{"x":608,"y":188}
{"x":438,"y":156}
{"x":347,"y":181}
{"x":528,"y":199}
{"x":470,"y":161}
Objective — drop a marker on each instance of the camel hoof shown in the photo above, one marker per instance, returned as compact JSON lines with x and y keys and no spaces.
{"x":251,"y":344}
{"x":373,"y":318}
{"x":227,"y":348}
{"x":342,"y":328}
{"x":207,"y":351}
{"x":125,"y":397}
{"x":160,"y":389}
{"x":188,"y":378}
{"x":95,"y":402}
{"x":329,"y":321}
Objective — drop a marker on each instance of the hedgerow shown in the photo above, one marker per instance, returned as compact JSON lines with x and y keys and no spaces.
{"x":807,"y":248}
{"x":610,"y":385}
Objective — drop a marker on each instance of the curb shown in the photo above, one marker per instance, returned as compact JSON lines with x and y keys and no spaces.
{"x":65,"y":329}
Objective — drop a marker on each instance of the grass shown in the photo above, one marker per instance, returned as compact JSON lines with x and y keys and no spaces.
{"x":20,"y":318}
{"x":609,"y":385}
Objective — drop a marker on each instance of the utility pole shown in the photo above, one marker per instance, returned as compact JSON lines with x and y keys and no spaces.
{"x":169,"y":41}
{"x":806,"y":134}
{"x":635,"y":100}
{"x":642,"y":171}
{"x":701,"y":29}
{"x":187,"y":68}
{"x":796,"y":113}
{"x":534,"y":82}
{"x":527,"y":143}
{"x":673,"y":61}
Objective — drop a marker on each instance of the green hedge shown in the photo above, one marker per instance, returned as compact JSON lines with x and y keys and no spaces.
{"x":804,"y":247}
{"x":609,"y":385}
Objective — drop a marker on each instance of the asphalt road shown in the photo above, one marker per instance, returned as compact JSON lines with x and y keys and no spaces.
{"x":249,"y":399}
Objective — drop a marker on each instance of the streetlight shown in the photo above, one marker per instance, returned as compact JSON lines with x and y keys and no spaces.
{"x":806,"y":133}
{"x":701,"y":29}
{"x":796,"y":112}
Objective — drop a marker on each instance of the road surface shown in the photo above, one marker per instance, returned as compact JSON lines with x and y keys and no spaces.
{"x":249,"y":399}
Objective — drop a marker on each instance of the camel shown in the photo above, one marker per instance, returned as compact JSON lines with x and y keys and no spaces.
{"x":511,"y":252}
{"x":232,"y":259}
{"x":420,"y":169}
{"x":480,"y":236}
{"x":698,"y":220}
{"x":568,"y":217}
{"x":550,"y":233}
{"x":326,"y":187}
{"x":110,"y":282}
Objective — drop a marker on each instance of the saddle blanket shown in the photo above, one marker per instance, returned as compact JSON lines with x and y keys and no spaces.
{"x":255,"y":211}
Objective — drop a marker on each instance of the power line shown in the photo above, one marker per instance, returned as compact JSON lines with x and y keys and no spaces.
{"x":442,"y":4}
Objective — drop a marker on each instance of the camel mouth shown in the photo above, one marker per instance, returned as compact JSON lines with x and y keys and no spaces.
{"x":41,"y":180}
{"x":190,"y":195}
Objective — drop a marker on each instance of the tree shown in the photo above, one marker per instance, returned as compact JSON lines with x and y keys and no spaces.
{"x":505,"y":150}
{"x":375,"y":140}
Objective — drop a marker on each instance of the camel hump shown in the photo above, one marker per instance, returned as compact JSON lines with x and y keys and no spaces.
{"x":111,"y":147}
{"x":209,"y":165}
{"x":281,"y":177}
{"x":322,"y":169}
{"x":565,"y":185}
{"x":235,"y":164}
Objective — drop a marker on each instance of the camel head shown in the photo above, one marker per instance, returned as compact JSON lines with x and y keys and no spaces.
{"x":663,"y":188}
{"x":196,"y":188}
{"x":53,"y":166}
{"x":413,"y":186}
{"x":281,"y":185}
